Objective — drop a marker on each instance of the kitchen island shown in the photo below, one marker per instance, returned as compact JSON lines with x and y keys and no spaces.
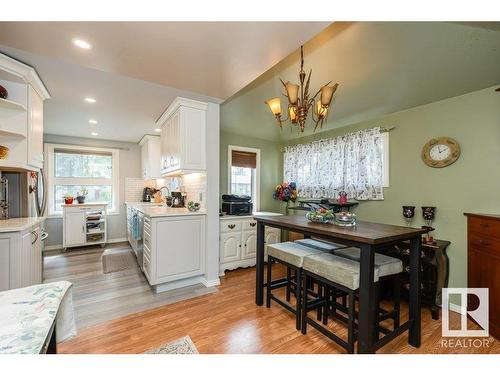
{"x":173,"y":244}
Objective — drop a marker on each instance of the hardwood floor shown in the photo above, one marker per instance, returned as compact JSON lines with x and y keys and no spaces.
{"x":99,"y":297}
{"x":230,"y":322}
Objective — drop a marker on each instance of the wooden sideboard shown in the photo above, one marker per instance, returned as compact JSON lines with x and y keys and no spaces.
{"x":483,"y":254}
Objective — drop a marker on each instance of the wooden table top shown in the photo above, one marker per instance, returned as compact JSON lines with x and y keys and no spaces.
{"x":363,"y":232}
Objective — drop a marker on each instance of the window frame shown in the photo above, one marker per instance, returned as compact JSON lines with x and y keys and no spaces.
{"x":230,"y":149}
{"x":49,"y":151}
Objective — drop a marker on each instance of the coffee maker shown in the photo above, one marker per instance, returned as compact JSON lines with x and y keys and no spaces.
{"x":178,"y":199}
{"x":147,"y":193}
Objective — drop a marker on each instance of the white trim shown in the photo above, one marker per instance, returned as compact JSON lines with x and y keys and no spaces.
{"x":115,"y":181}
{"x":230,"y":148}
{"x":385,"y":159}
{"x":455,"y":308}
{"x":210,"y":283}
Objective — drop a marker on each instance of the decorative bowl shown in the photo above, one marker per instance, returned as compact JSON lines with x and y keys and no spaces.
{"x":193,"y":207}
{"x":320,"y":215}
{"x":4,"y":152}
{"x":345,"y":219}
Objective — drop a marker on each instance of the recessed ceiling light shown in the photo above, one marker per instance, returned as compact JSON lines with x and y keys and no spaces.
{"x":89,"y":100}
{"x":94,"y":134}
{"x":82,"y":43}
{"x":158,"y":130}
{"x":92,"y":121}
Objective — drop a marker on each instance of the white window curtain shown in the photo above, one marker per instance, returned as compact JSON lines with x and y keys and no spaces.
{"x":352,"y":163}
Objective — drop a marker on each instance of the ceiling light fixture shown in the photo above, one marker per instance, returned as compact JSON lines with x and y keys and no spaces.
{"x":89,"y":100}
{"x":82,"y":43}
{"x":93,"y":122}
{"x":158,"y":130}
{"x":94,"y":134}
{"x":299,"y":102}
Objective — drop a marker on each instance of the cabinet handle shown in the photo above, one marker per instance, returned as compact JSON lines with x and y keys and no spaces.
{"x":483,"y":242}
{"x":253,"y":224}
{"x":484,"y":225}
{"x":36,"y":237}
{"x":245,"y":245}
{"x":231,"y":226}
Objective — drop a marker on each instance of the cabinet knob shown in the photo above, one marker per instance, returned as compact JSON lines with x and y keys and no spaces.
{"x":484,"y":225}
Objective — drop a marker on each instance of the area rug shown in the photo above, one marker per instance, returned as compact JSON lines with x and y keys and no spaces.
{"x":114,"y":260}
{"x":182,"y":346}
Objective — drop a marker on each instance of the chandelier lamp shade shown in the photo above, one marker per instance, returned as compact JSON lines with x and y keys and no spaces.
{"x":300,"y":103}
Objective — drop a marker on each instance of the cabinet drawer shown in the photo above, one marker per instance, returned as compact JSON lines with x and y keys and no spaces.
{"x":484,"y":227}
{"x":230,"y":226}
{"x":484,"y":243}
{"x":146,"y":264}
{"x":249,"y":225}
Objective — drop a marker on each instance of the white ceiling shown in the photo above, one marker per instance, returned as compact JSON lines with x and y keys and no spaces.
{"x":210,"y":58}
{"x":126,"y":108}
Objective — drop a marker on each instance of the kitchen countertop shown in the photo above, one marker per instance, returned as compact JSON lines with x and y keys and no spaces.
{"x":19,"y":224}
{"x":256,"y":213}
{"x":161,"y":210}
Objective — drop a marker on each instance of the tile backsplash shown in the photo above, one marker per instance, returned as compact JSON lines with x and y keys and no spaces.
{"x":194,"y":184}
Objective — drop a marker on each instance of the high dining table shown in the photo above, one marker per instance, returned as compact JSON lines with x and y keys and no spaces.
{"x":368,"y":237}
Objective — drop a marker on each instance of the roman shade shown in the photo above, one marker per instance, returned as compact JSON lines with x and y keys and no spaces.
{"x":243,"y":159}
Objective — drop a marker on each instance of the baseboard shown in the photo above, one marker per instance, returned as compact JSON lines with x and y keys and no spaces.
{"x":210,"y":283}
{"x":60,"y":246}
{"x":455,"y":308}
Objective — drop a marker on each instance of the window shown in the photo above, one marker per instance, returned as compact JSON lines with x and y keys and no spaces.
{"x":71,"y":169}
{"x":244,"y":172}
{"x":357,"y":163}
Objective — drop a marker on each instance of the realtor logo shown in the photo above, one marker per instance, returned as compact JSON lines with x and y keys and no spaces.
{"x":480,"y":314}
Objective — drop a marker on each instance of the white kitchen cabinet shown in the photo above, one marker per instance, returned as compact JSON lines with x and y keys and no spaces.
{"x":21,"y":258}
{"x":183,"y":137}
{"x":21,"y":115}
{"x":150,"y":156}
{"x":84,"y":224}
{"x":174,"y":249}
{"x":238,"y":242}
{"x":35,"y":129}
{"x":230,"y":247}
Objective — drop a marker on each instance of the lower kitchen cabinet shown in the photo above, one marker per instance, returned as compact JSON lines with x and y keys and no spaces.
{"x":21,"y":258}
{"x":238,"y":242}
{"x":174,"y":248}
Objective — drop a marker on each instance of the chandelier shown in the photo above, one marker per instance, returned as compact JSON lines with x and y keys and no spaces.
{"x":299,"y":106}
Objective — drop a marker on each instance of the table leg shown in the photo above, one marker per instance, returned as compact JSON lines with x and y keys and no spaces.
{"x":414,"y":300}
{"x":259,"y":272}
{"x":367,"y":302}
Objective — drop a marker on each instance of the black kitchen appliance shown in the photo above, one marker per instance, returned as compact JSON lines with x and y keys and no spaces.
{"x":236,"y":204}
{"x":178,"y":199}
{"x":147,"y":193}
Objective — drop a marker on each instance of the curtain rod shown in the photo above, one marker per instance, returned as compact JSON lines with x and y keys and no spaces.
{"x":382,"y":130}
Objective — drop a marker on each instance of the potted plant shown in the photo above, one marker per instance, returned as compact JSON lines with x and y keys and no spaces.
{"x":80,"y":195}
{"x":68,"y":198}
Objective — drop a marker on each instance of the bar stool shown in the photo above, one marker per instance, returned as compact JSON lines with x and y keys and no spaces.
{"x":389,"y":268}
{"x":337,"y":273}
{"x":291,"y":255}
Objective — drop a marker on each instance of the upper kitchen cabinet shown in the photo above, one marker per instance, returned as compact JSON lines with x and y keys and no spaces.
{"x":150,"y":157}
{"x":21,"y":115}
{"x":183,"y":137}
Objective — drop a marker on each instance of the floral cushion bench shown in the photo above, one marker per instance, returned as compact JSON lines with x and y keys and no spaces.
{"x":30,"y":315}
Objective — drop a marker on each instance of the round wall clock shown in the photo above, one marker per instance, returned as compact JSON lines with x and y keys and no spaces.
{"x":440,"y":152}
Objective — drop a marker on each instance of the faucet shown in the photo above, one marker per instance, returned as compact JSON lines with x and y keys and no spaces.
{"x":164,"y":187}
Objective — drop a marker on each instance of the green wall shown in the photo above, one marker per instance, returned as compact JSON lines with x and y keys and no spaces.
{"x":471,"y":184}
{"x":271,"y":161}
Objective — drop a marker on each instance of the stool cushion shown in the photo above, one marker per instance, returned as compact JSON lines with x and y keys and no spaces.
{"x":291,"y":252}
{"x":340,"y":270}
{"x":386,"y":265}
{"x":320,"y":245}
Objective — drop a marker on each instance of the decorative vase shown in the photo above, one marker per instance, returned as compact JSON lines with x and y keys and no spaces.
{"x":408,"y":213}
{"x":81,"y":199}
{"x":68,"y":200}
{"x":4,"y":94}
{"x":342,"y":197}
{"x":429,"y":213}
